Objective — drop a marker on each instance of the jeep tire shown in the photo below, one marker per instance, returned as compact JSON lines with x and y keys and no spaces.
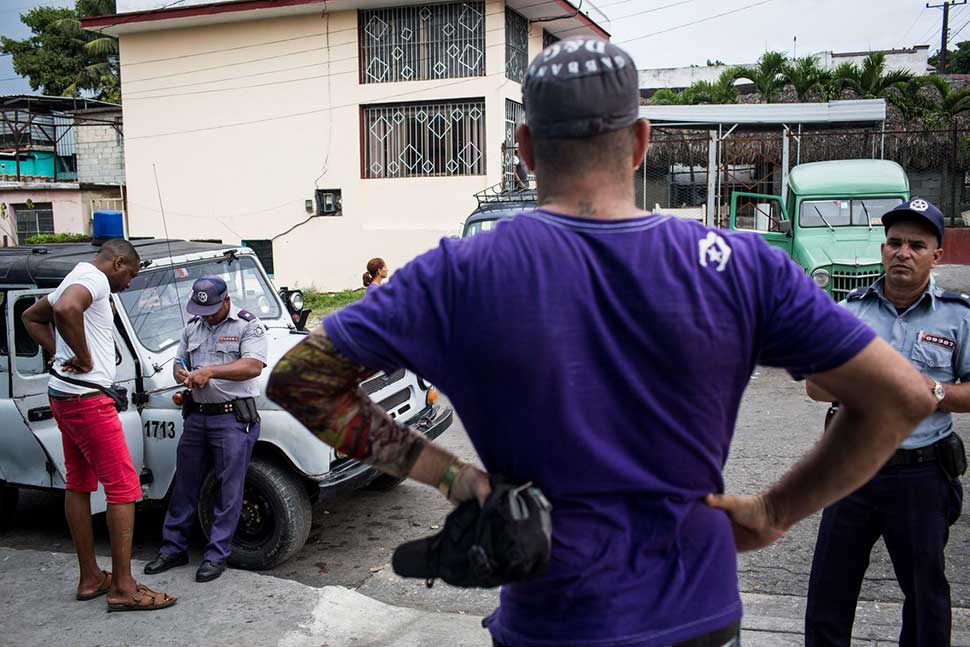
{"x":8,"y":506}
{"x":275,"y":519}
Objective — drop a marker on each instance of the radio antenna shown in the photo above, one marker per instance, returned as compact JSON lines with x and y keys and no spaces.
{"x":168,"y":241}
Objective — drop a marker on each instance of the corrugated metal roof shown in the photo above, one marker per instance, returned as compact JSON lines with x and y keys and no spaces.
{"x":856,"y":112}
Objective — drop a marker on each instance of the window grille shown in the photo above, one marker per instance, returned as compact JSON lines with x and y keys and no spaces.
{"x":514,"y":113}
{"x":516,"y":46}
{"x":420,"y":140}
{"x":264,"y":252}
{"x":34,"y":220}
{"x":419,"y":43}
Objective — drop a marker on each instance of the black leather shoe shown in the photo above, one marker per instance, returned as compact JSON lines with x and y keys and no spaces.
{"x":165,"y":561}
{"x":209,"y":571}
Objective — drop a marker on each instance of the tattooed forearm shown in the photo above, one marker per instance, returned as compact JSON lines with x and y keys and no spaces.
{"x":320,"y":388}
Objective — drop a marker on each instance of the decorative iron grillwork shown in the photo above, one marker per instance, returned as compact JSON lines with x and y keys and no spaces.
{"x":516,"y":46}
{"x":514,"y":113}
{"x":420,"y":140}
{"x":419,"y":43}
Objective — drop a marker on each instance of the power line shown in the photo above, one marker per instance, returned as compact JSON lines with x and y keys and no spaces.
{"x":957,"y":32}
{"x":695,"y":22}
{"x":913,"y":24}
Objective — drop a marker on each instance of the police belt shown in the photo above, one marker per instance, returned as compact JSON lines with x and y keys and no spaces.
{"x":215,"y":408}
{"x":926,"y":454}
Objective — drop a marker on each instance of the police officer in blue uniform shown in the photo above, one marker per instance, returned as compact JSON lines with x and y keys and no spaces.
{"x":917,"y":496}
{"x":220,"y":357}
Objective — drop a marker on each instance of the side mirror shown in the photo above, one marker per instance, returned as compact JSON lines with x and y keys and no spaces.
{"x":784,"y":226}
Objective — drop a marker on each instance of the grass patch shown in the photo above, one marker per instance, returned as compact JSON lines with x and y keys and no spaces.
{"x":323,"y":303}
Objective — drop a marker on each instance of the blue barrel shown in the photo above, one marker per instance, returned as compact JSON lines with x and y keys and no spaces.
{"x":108,"y":224}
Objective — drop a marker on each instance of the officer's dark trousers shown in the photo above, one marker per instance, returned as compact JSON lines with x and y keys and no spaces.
{"x":222,"y":444}
{"x":911,"y":508}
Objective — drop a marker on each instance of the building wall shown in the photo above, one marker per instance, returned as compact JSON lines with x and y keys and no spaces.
{"x":66,"y":203}
{"x":299,"y":122}
{"x":33,"y":164}
{"x":100,"y":150}
{"x":914,"y":60}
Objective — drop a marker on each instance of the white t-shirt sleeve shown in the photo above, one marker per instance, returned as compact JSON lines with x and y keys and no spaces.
{"x":85,"y":275}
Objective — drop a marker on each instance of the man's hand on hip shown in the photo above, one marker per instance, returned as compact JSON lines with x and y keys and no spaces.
{"x":77,"y":365}
{"x":752,"y":520}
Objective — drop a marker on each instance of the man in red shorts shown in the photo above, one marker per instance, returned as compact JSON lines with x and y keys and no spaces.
{"x":75,"y":324}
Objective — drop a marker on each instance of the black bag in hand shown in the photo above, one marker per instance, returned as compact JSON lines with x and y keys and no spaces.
{"x":508,"y":539}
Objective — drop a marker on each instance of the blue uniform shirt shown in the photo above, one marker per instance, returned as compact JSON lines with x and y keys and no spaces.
{"x":933,"y":334}
{"x":239,"y":336}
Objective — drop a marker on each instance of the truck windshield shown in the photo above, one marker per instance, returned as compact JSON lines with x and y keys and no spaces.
{"x":478,"y":227}
{"x":847,"y":212}
{"x":156,"y":300}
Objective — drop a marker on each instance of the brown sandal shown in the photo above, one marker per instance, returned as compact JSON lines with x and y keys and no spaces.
{"x":98,"y":592}
{"x":144,"y":599}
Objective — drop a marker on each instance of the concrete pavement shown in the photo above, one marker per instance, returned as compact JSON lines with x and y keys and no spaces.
{"x":244,"y":608}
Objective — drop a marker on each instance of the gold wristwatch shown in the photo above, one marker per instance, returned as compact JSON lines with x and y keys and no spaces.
{"x":448,"y":478}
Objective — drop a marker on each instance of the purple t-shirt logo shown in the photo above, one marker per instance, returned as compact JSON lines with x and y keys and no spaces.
{"x":714,"y":249}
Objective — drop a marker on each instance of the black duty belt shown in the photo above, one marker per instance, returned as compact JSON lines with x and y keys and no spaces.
{"x":926,"y":454}
{"x":214,"y":409}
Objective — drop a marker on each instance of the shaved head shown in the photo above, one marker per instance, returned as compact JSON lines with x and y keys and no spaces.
{"x":119,"y":248}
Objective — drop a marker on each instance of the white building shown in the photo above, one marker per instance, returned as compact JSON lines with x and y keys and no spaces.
{"x":323,"y":133}
{"x":914,"y":60}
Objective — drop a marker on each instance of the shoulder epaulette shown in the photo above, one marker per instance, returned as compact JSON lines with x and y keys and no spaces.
{"x":246,"y":315}
{"x":857,"y":294}
{"x":953,"y":295}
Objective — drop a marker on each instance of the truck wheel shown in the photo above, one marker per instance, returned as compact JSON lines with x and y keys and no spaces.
{"x":385,"y":483}
{"x":275,"y":519}
{"x":8,"y":506}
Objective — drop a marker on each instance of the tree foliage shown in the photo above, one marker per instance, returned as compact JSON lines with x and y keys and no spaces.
{"x":768,"y":75}
{"x":59,"y":58}
{"x":806,"y":76}
{"x":870,"y":80}
{"x":957,"y":61}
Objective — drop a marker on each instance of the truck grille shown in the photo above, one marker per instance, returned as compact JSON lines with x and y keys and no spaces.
{"x":845,"y":281}
{"x":381,"y":380}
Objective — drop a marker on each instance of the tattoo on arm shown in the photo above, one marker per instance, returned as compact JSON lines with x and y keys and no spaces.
{"x":320,"y":388}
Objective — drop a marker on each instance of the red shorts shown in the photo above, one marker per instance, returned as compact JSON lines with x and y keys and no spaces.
{"x":95,"y":449}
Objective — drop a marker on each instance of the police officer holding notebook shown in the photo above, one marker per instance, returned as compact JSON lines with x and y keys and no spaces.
{"x":220,"y":357}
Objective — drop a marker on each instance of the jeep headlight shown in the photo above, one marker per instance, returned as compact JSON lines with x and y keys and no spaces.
{"x":821,"y":278}
{"x":296,"y":300}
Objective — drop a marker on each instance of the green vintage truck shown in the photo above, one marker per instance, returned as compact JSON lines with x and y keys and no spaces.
{"x":830,"y":221}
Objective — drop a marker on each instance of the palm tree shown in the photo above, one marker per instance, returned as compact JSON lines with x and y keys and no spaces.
{"x":101,"y":70}
{"x":910,"y":99}
{"x":871,"y":80}
{"x":667,"y":97}
{"x":720,"y":91}
{"x":768,"y":75}
{"x":950,"y":102}
{"x":805,"y":75}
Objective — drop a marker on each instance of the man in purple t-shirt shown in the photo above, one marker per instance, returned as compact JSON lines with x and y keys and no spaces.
{"x":602,"y":353}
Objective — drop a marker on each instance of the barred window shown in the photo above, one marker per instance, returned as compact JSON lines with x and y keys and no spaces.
{"x":514,"y":115}
{"x":424,"y":139}
{"x":548,"y":39}
{"x":516,"y":45}
{"x":442,"y":41}
{"x":33,"y":219}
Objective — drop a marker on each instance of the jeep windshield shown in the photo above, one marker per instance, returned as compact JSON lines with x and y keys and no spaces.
{"x":156,"y":300}
{"x":847,"y":212}
{"x":479,"y":226}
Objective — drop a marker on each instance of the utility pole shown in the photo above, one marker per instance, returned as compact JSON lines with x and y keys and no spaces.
{"x":944,"y":37}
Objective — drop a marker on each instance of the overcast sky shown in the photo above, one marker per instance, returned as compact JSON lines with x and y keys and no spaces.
{"x":818,"y":25}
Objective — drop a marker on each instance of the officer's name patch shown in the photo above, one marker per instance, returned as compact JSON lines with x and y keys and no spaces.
{"x":939,"y":340}
{"x":228,"y":338}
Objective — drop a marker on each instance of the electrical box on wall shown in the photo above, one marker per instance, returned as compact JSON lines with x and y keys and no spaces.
{"x":329,"y":202}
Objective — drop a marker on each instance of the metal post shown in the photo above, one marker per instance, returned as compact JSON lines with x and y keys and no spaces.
{"x":944,"y":35}
{"x":785,"y":159}
{"x":16,"y":154}
{"x":712,"y":175}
